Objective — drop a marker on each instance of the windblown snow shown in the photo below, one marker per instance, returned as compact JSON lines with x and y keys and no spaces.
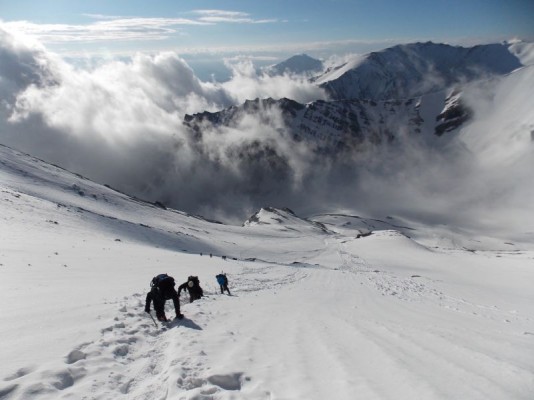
{"x":333,"y":306}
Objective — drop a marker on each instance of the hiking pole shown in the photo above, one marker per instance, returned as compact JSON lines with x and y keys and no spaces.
{"x":153,"y":320}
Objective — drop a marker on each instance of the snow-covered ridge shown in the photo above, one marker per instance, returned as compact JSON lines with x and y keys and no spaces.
{"x":350,"y":224}
{"x":285,"y":220}
{"x":405,"y":71}
{"x":73,"y":193}
{"x":76,"y":200}
{"x":524,"y":51}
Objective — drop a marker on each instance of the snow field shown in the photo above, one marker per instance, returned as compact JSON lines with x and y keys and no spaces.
{"x":293,"y":331}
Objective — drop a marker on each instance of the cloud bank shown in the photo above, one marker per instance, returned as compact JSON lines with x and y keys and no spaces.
{"x":121,"y":124}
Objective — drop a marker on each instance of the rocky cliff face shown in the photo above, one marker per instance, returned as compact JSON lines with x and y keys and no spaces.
{"x":454,"y":114}
{"x":336,"y":127}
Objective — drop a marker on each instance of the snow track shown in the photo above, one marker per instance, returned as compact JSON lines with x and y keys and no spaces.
{"x":297,"y":331}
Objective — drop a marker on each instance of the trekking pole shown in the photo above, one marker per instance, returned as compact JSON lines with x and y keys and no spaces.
{"x":153,"y":320}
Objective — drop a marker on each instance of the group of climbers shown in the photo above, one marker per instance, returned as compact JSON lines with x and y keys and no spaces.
{"x":162,"y":289}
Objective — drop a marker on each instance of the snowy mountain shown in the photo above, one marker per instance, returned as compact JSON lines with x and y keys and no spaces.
{"x":382,"y":307}
{"x":411,"y":70}
{"x":415,"y":89}
{"x":299,"y":64}
{"x":284,"y":220}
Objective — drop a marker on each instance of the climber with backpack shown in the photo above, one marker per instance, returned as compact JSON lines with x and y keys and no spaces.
{"x":162,"y":289}
{"x":193,"y":287}
{"x":222,"y":280}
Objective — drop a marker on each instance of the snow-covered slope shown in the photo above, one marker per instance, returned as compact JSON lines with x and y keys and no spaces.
{"x":524,"y":51}
{"x":317,"y":310}
{"x":405,"y":71}
{"x":284,"y":220}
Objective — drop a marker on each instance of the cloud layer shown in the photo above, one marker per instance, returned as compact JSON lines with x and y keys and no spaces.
{"x":121,"y":123}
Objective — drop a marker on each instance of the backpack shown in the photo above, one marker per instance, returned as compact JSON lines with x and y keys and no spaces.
{"x":162,"y":281}
{"x":222,"y":279}
{"x":193,"y":286}
{"x":195,"y":280}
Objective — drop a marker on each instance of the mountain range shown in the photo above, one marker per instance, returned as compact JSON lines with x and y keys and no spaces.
{"x":414,"y":89}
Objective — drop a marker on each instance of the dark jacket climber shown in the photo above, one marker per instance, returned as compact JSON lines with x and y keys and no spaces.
{"x":222,"y":280}
{"x":162,"y":289}
{"x":193,"y":287}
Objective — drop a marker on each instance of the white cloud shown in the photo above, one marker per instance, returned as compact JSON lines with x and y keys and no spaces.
{"x":121,"y":123}
{"x":223,"y":16}
{"x":104,"y":30}
{"x":108,"y":28}
{"x":246,"y":83}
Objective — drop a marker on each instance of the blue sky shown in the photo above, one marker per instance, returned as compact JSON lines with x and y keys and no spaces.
{"x":269,"y":27}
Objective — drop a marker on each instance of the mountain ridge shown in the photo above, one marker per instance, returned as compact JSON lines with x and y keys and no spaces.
{"x":297,"y":64}
{"x":414,"y":69}
{"x":330,"y":127}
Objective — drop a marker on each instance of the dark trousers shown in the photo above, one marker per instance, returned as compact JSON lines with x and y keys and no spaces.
{"x":195,"y":293}
{"x":224,"y":287}
{"x":159,"y":301}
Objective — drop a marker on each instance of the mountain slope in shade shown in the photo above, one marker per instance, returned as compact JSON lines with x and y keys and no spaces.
{"x":344,"y":126}
{"x":299,"y":64}
{"x":410,"y":70}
